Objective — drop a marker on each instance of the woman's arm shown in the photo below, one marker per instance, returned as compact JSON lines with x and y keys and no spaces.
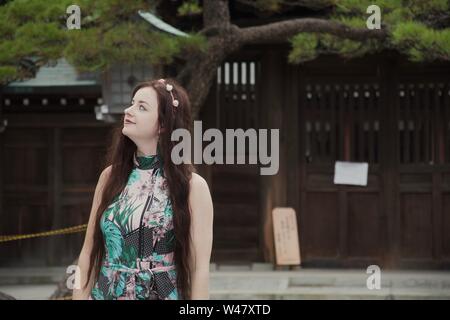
{"x":201,"y":206}
{"x":83,"y":259}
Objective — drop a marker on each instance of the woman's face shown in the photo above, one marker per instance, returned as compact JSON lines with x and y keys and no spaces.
{"x":141,"y":118}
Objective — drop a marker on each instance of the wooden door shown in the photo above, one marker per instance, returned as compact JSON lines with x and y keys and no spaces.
{"x":397,"y":120}
{"x":50,"y":164}
{"x":232,"y":104}
{"x":341,"y":225}
{"x":422,"y":222}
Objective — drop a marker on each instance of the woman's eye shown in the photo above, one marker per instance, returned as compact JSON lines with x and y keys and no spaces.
{"x":141,"y":107}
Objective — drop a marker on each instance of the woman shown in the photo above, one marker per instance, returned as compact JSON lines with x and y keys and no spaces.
{"x":149,"y":235}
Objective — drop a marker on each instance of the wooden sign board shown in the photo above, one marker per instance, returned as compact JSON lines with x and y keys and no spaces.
{"x":287,"y":247}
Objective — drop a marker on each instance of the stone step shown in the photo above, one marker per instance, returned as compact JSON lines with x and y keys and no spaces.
{"x":326,"y":278}
{"x":31,"y":276}
{"x":332,"y":293}
{"x":327,"y":284}
{"x":259,"y":281}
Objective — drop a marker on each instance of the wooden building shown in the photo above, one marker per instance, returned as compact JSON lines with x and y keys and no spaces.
{"x":56,"y":130}
{"x":49,"y":163}
{"x":380,"y":109}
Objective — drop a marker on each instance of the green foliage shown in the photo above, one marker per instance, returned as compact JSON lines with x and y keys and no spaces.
{"x":359,"y":7}
{"x":29,"y":29}
{"x":8,"y":73}
{"x":189,"y":8}
{"x":307,"y":46}
{"x":409,"y":24}
{"x":194,"y":42}
{"x":420,"y":42}
{"x":429,"y":6}
{"x":84,"y":50}
{"x":304,"y":47}
{"x":111,"y":32}
{"x":92,"y":49}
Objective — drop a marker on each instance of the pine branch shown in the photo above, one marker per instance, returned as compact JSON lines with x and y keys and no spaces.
{"x":285,"y":29}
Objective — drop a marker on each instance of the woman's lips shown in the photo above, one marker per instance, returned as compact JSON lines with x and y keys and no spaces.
{"x":128,"y":122}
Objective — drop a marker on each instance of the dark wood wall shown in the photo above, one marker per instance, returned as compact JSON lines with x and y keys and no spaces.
{"x":50,"y":163}
{"x":393,"y":115}
{"x":377,"y":109}
{"x":233,"y":103}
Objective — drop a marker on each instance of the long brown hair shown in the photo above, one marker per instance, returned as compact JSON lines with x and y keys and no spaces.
{"x":120,"y":157}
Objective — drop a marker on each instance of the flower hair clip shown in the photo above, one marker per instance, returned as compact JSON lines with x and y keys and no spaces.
{"x":169,"y":88}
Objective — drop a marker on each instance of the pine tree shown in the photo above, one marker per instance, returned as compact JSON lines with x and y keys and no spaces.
{"x":32,"y":32}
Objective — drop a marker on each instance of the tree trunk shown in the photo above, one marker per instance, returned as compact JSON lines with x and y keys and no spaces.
{"x":225,"y":38}
{"x":203,"y":67}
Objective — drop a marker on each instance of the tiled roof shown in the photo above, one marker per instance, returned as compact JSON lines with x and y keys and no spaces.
{"x":62,"y":74}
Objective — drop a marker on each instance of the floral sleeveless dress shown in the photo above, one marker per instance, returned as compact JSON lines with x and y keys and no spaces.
{"x":139,"y":239}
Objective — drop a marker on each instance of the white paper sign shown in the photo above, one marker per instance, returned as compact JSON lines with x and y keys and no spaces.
{"x":353,"y":173}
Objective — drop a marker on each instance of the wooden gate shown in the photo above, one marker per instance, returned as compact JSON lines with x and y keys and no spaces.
{"x":50,"y":164}
{"x":422,"y":222}
{"x":369,"y":110}
{"x":235,"y":188}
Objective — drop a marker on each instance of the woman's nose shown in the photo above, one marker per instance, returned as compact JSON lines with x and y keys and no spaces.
{"x":127,"y":110}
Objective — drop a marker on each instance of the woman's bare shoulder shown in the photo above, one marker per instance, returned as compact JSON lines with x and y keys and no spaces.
{"x":105,"y":173}
{"x":199,"y":191}
{"x":197,"y":181}
{"x":200,"y":202}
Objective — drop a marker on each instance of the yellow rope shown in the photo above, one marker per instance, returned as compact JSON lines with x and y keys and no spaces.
{"x":75,"y":229}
